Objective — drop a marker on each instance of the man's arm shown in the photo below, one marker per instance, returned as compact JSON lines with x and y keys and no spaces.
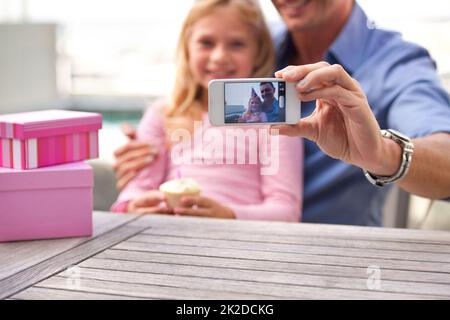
{"x":344,"y":127}
{"x":429,"y":174}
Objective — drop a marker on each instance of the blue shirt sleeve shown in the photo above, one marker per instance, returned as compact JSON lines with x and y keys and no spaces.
{"x":419,"y":105}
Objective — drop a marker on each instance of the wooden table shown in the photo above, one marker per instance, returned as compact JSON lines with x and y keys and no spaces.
{"x":165,"y":257}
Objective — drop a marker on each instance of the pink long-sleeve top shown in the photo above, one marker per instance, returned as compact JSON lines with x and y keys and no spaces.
{"x":269,"y":188}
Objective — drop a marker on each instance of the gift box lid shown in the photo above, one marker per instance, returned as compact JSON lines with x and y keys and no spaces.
{"x":46,"y":123}
{"x":71,"y":175}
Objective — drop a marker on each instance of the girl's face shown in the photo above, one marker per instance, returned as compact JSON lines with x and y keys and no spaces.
{"x":255,"y":105}
{"x":221,"y":45}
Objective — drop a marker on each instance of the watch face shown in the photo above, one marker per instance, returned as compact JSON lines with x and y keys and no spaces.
{"x":399,"y":135}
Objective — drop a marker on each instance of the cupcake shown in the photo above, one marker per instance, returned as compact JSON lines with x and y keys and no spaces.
{"x":177,"y":188}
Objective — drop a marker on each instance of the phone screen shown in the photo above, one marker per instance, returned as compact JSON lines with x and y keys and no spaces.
{"x":255,"y":102}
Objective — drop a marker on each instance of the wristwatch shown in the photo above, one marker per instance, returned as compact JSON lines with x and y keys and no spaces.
{"x":408,"y":149}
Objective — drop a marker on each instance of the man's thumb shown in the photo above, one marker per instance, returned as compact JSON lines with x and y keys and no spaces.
{"x":129,"y":131}
{"x":304,"y":128}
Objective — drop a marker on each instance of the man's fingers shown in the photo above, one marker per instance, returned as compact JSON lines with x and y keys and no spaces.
{"x":133,"y":146}
{"x":286,"y":130}
{"x":125,"y":179}
{"x":297,"y":73}
{"x":134,"y":165}
{"x":327,"y":76}
{"x":124,"y":149}
{"x":125,"y":169}
{"x":304,"y":128}
{"x":341,"y":96}
{"x":279,"y":73}
{"x":143,"y":153}
{"x":129,"y":131}
{"x":129,"y":146}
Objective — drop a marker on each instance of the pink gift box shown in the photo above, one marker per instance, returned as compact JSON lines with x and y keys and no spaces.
{"x":52,"y":202}
{"x":43,"y":138}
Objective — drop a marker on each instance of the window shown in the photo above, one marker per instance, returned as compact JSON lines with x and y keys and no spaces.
{"x":126,"y":47}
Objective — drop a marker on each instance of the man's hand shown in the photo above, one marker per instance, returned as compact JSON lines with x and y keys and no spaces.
{"x":203,"y":207}
{"x":132,"y":157}
{"x":152,"y":201}
{"x":342,"y":124}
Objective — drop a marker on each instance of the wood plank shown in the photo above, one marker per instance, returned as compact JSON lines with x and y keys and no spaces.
{"x":317,"y":240}
{"x":107,"y":221}
{"x":292,"y":248}
{"x":295,"y":229}
{"x":140,"y":269}
{"x":20,"y":255}
{"x":150,"y":291}
{"x":286,"y":257}
{"x":35,"y":293}
{"x":275,"y":266}
{"x":45,"y":269}
{"x":232,"y":289}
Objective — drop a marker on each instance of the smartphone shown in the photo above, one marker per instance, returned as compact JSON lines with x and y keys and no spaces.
{"x":252,"y":101}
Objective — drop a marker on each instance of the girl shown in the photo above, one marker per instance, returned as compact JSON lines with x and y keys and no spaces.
{"x":219,"y":39}
{"x":254,"y":113}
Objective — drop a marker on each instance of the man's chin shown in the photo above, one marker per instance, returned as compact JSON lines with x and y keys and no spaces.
{"x":300,"y":25}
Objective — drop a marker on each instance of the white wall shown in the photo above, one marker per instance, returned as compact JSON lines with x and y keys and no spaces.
{"x":27,"y":66}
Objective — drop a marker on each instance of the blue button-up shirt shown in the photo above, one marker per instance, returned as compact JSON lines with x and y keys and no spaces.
{"x":404,"y":92}
{"x":275,"y":114}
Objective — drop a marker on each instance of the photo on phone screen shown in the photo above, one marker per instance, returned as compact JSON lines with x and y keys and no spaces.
{"x":255,"y":102}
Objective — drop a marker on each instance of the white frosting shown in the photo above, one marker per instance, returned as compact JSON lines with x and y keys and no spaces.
{"x":183,"y":185}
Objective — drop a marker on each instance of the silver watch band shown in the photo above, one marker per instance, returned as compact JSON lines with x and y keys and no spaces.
{"x":407,"y":152}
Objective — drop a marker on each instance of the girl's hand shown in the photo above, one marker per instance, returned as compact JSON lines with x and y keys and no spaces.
{"x":203,"y":207}
{"x":132,"y":157}
{"x":150,"y":202}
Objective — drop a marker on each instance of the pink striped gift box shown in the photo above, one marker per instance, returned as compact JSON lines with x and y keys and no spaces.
{"x":43,"y":138}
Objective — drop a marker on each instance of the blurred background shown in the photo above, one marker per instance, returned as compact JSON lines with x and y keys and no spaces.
{"x":115,"y":57}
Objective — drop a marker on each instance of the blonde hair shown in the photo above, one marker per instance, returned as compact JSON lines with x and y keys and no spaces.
{"x":187,"y":92}
{"x":249,"y":108}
